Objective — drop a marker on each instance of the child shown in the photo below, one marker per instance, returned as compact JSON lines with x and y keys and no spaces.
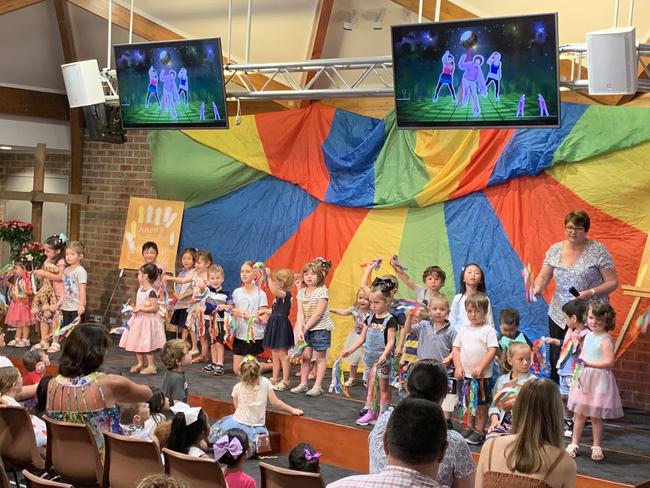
{"x":378,"y":337}
{"x":517,"y":360}
{"x":35,"y":362}
{"x":19,"y":314}
{"x":249,"y":302}
{"x":189,"y":430}
{"x":133,"y":418}
{"x":50,"y":293}
{"x":314,"y":324}
{"x":11,"y":384}
{"x":435,"y":341}
{"x":250,"y":397}
{"x":175,"y":356}
{"x":157,"y":404}
{"x":509,"y":327}
{"x":471,"y":280}
{"x":574,"y":314}
{"x":359,"y":311}
{"x":474,"y":349}
{"x":231,"y":450}
{"x":150,"y":255}
{"x":73,"y":301}
{"x":145,"y":333}
{"x":433,"y":278}
{"x":595,"y":394}
{"x":215,"y":319}
{"x":304,"y":458}
{"x":279,"y":332}
{"x":183,"y":292}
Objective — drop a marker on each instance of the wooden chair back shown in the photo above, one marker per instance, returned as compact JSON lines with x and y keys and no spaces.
{"x":277,"y":477}
{"x":34,"y":481}
{"x":128,"y":459}
{"x":198,"y":472}
{"x":17,"y":440}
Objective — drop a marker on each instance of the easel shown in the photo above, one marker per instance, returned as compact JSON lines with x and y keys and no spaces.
{"x":641,"y":289}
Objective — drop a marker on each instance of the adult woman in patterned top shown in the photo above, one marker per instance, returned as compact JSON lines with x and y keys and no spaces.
{"x":578,"y":264}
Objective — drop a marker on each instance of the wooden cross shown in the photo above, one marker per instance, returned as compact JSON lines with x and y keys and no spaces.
{"x":37,"y":196}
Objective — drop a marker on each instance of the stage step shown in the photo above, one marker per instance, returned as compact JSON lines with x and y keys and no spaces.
{"x":276,"y":439}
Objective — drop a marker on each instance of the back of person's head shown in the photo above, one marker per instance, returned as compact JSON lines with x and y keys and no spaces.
{"x":83,"y":352}
{"x":41,"y":395}
{"x":477,"y":301}
{"x":231,"y":447}
{"x":284,"y":278}
{"x":150,"y":271}
{"x":427,"y":380}
{"x":127,"y":412}
{"x":30,"y":359}
{"x":250,"y":371}
{"x":184,"y":434}
{"x":305,"y":458}
{"x":577,"y":308}
{"x":8,"y":378}
{"x":416,"y":433}
{"x":173,"y":352}
{"x":537,"y":419}
{"x":162,"y":432}
{"x":162,"y":481}
{"x":509,"y":317}
{"x":157,"y":401}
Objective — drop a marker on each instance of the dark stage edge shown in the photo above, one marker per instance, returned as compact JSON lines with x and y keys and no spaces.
{"x":626,"y":441}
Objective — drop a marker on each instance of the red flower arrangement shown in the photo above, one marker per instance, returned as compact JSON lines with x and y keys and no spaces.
{"x":16,"y":233}
{"x":33,"y":252}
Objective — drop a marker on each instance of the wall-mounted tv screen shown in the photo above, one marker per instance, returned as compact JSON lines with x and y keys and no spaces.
{"x":173,"y":84}
{"x":497,"y":72}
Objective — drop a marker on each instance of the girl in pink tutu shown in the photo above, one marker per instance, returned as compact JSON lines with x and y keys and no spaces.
{"x":19,"y":313}
{"x":595,"y":393}
{"x":145,"y":332}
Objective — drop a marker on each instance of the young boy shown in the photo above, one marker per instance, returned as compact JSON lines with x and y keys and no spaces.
{"x":73,"y":301}
{"x":509,"y":327}
{"x":215,"y":332}
{"x":132,"y":419}
{"x":433,"y":278}
{"x":435,"y":341}
{"x":175,"y":356}
{"x":575,"y":312}
{"x":474,"y":349}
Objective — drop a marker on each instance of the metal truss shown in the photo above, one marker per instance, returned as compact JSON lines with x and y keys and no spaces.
{"x":366,"y":77}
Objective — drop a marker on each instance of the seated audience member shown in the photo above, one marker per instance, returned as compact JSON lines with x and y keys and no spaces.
{"x":158,"y":403}
{"x":415,"y":443}
{"x":231,"y":450}
{"x":162,"y":433}
{"x":534,"y":455}
{"x":305,"y":458}
{"x":41,"y":396}
{"x":133,"y":417}
{"x":189,"y":430}
{"x":162,"y":481}
{"x":428,"y":381}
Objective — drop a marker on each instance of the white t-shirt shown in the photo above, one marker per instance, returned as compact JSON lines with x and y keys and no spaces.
{"x":249,"y":303}
{"x":474,"y":343}
{"x":251,"y":402}
{"x":458,"y":314}
{"x":72,"y":279}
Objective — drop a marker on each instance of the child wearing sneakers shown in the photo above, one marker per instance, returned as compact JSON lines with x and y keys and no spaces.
{"x":474,"y":349}
{"x":214,"y":320}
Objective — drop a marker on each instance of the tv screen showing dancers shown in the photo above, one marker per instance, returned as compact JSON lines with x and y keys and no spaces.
{"x":171,"y":84}
{"x":500,"y":72}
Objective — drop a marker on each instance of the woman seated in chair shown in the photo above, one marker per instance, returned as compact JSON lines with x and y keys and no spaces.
{"x":81,"y":394}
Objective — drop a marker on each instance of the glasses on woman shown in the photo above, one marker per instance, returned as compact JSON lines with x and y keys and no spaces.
{"x":574,"y":228}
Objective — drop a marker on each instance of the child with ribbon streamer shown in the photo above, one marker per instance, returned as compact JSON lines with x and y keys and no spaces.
{"x":472,"y":280}
{"x":216,"y":303}
{"x":313,"y":324}
{"x":145,"y":333}
{"x":359,"y":311}
{"x":189,"y":430}
{"x":304,"y":458}
{"x":575,"y":313}
{"x":595,"y":394}
{"x":279,"y":332}
{"x":433,"y":278}
{"x":73,"y":301}
{"x":231,"y":450}
{"x":517,"y":360}
{"x":475,"y":346}
{"x":378,"y":338}
{"x":509,"y":328}
{"x":19,"y":313}
{"x":50,"y":293}
{"x":183,"y":293}
{"x":150,"y":255}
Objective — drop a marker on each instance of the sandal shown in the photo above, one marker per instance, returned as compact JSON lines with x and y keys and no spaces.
{"x":137,"y":368}
{"x":281,"y":386}
{"x":12,"y":343}
{"x":42,"y":345}
{"x":597,"y":453}
{"x":149,"y":370}
{"x":55,"y":347}
{"x":275,"y":381}
{"x":572,"y":450}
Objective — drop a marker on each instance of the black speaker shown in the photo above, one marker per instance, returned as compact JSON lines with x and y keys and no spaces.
{"x":104,"y":123}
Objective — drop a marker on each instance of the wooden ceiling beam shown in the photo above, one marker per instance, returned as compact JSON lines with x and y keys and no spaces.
{"x":318,"y":35}
{"x":448,"y":10}
{"x":7,"y":6}
{"x":31,"y":103}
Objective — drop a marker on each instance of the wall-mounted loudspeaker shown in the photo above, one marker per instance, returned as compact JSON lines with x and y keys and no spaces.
{"x":83,"y":83}
{"x":612,"y":61}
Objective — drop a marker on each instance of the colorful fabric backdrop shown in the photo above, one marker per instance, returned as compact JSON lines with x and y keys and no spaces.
{"x":286,"y":187}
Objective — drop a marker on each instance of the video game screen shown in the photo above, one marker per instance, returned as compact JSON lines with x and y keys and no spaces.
{"x":173,"y":84}
{"x":497,"y":72}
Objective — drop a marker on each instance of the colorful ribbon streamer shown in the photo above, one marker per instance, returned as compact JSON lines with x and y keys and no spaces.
{"x":65,"y":331}
{"x":526,"y":274}
{"x":375,"y":263}
{"x":538,"y":363}
{"x":506,"y":396}
{"x":568,"y":349}
{"x":578,"y":366}
{"x":261,"y":268}
{"x":643,"y":321}
{"x":338,"y":379}
{"x":396,"y":264}
{"x":296,"y":353}
{"x":373,"y":384}
{"x":405,"y":305}
{"x":469,"y":398}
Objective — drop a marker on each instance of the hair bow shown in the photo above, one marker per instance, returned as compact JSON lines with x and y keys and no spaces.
{"x":505,"y":341}
{"x":309,"y":456}
{"x":191,"y":413}
{"x":224,"y":445}
{"x":249,"y":359}
{"x":63,"y":238}
{"x":384,"y":285}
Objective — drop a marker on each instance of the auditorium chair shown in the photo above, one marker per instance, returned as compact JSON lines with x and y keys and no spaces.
{"x":17,"y":441}
{"x":198,"y":472}
{"x":277,"y":477}
{"x":34,"y":481}
{"x":127,"y":460}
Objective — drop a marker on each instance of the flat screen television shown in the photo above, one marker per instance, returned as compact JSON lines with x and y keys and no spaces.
{"x":172,"y":84}
{"x":477,"y":73}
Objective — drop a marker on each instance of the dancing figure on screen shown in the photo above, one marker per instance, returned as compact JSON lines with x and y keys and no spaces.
{"x":543,"y":111}
{"x":183,"y":86}
{"x":473,"y":82}
{"x":168,"y":77}
{"x":153,"y":86}
{"x":215,"y":110}
{"x":494,"y":73}
{"x":202,"y":111}
{"x":446,"y":78}
{"x":521,"y":105}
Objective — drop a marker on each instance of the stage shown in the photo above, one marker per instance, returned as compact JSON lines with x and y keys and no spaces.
{"x":328,"y":424}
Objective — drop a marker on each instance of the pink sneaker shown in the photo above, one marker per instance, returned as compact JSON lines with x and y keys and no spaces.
{"x":368,"y":419}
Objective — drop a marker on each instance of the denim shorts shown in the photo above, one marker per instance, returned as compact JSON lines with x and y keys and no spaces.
{"x":318,"y":340}
{"x":565,"y":385}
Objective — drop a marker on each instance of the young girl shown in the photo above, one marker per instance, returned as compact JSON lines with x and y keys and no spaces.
{"x":145,"y":333}
{"x":471,"y":280}
{"x":51,"y":291}
{"x":249,"y":302}
{"x":189,"y":430}
{"x":359,"y":311}
{"x":314,"y":324}
{"x":19,"y":313}
{"x":250,"y":397}
{"x":158,"y":403}
{"x":304,"y":458}
{"x":595,"y":394}
{"x":183,"y":293}
{"x":378,"y":337}
{"x":279,"y":332}
{"x":517,"y":362}
{"x":231,"y":450}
